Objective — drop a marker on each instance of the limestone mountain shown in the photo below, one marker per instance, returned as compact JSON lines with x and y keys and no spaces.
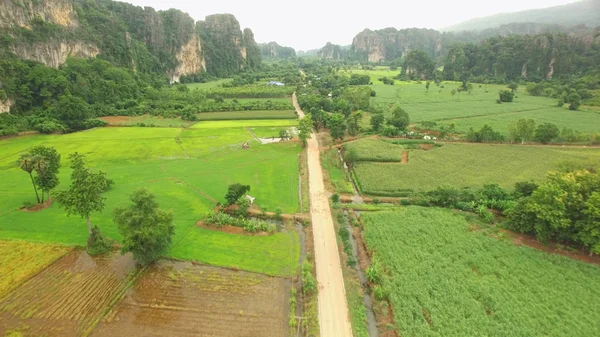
{"x":274,"y":50}
{"x":170,"y":42}
{"x":331,"y":52}
{"x":586,"y":12}
{"x":390,"y":44}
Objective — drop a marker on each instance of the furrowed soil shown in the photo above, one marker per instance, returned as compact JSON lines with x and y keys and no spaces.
{"x":183,"y":299}
{"x":68,"y":297}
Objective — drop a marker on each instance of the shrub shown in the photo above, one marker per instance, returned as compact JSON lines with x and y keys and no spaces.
{"x":506,"y":96}
{"x":94,"y":123}
{"x":309,"y":284}
{"x":98,"y":243}
{"x":335,"y":198}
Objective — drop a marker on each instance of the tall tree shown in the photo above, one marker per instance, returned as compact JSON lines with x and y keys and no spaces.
{"x":84,"y":196}
{"x":377,"y":120}
{"x":400,"y":118}
{"x":337,"y":126}
{"x":236,"y":191}
{"x":525,"y":129}
{"x":26,"y":163}
{"x":146,"y":230}
{"x":48,"y":179}
{"x":305,"y":129}
{"x":353,"y":122}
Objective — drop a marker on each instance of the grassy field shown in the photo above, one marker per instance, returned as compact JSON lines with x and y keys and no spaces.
{"x":462,"y":165}
{"x":444,"y":279}
{"x":208,"y":85}
{"x":475,"y":109}
{"x":187,"y":169}
{"x":375,"y":74}
{"x":257,"y":114}
{"x":147,"y":120}
{"x":331,"y":162}
{"x":20,"y":260}
{"x":375,"y":150}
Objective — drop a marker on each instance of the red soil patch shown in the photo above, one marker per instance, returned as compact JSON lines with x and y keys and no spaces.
{"x":404,"y":157}
{"x":116,"y":120}
{"x":426,"y":147}
{"x":229,"y":229}
{"x":38,"y":207}
{"x":530,"y":241}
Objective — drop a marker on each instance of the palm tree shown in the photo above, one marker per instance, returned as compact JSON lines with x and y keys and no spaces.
{"x":40,"y":164}
{"x":27,"y":163}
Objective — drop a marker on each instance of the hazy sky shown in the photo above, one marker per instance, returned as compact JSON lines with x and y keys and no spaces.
{"x":309,"y":24}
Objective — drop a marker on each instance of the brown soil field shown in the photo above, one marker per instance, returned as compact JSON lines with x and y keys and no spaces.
{"x":183,"y":299}
{"x":68,"y":297}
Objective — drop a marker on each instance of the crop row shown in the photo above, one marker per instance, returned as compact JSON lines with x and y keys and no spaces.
{"x":444,"y":279}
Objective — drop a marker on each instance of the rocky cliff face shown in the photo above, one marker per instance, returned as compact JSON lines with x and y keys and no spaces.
{"x":5,"y":106}
{"x":274,"y":50}
{"x":227,"y":48}
{"x":55,"y":53}
{"x":330,"y":52}
{"x":190,"y":60}
{"x":389,"y":44}
{"x":131,"y":36}
{"x":21,"y":13}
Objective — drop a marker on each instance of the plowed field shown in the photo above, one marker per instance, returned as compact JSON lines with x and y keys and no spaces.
{"x":66,"y":298}
{"x":182,"y":299}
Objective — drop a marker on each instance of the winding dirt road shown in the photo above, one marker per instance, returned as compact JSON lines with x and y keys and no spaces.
{"x":333,"y":309}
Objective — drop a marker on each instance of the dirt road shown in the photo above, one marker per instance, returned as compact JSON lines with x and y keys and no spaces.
{"x":333,"y":309}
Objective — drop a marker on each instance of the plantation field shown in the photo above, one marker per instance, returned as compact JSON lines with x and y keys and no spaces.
{"x":475,"y":109}
{"x":208,"y":301}
{"x":187,"y":169}
{"x":250,"y":114}
{"x":445,"y":279}
{"x":463,"y":165}
{"x":68,"y":297}
{"x":20,"y":260}
{"x":208,"y":85}
{"x":375,"y":74}
{"x":375,"y":150}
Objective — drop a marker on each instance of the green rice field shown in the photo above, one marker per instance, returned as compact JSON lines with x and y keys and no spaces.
{"x":187,"y":169}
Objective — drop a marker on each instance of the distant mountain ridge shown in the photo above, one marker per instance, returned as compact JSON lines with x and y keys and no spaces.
{"x":585,"y":12}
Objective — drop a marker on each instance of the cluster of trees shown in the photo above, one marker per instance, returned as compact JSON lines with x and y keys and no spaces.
{"x":515,"y":57}
{"x":565,"y":208}
{"x":392,"y":126}
{"x":42,"y":163}
{"x":572,"y":90}
{"x":146,"y":230}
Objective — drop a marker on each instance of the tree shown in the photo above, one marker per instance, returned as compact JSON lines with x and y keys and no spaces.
{"x":350,"y":157}
{"x":84,"y":196}
{"x":525,"y":129}
{"x":546,"y":132}
{"x":337,"y":126}
{"x":283,"y":134}
{"x":47,"y":178}
{"x":574,"y":101}
{"x":470,"y":88}
{"x":305,"y":129}
{"x":377,"y":120}
{"x":400,"y":118}
{"x":72,"y":111}
{"x":146,"y":230}
{"x":427,"y":85}
{"x":513,"y":86}
{"x":506,"y":96}
{"x":564,"y":208}
{"x":453,"y":92}
{"x":353,"y":122}
{"x":236,"y":191}
{"x":27,"y":163}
